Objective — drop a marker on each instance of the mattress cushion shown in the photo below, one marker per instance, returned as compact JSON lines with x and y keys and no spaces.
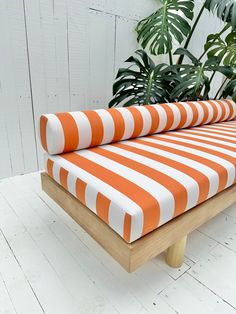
{"x":137,"y":185}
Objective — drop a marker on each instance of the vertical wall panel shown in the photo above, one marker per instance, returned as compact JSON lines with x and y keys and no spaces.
{"x":101,"y":58}
{"x":78,"y":22}
{"x":37,"y":68}
{"x":126,"y":42}
{"x":131,"y":9}
{"x":58,"y":55}
{"x":58,"y":49}
{"x":16,"y":105}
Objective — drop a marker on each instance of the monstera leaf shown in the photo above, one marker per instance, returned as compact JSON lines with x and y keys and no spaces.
{"x":191,"y":79}
{"x":168,"y":22}
{"x":140,"y":84}
{"x":225,"y":9}
{"x":230,"y":88}
{"x":224,"y":49}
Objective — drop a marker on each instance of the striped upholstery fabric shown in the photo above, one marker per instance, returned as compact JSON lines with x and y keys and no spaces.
{"x":70,"y":131}
{"x":135,"y":186}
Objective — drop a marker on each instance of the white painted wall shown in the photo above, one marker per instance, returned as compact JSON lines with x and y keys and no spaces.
{"x":58,"y":55}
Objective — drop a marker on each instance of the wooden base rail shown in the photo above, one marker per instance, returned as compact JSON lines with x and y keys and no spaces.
{"x":171,"y":237}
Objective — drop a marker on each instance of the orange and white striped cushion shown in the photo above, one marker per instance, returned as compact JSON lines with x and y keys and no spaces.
{"x":135,"y":186}
{"x":70,"y":131}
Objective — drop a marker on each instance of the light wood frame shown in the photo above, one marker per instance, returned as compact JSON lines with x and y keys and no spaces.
{"x":171,"y":236}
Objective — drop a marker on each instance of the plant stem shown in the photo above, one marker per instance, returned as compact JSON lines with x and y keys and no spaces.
{"x":225,"y":80}
{"x":227,"y":26}
{"x":170,"y":58}
{"x":181,"y":58}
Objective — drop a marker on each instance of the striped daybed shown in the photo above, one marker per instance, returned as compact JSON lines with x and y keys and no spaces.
{"x":129,"y":176}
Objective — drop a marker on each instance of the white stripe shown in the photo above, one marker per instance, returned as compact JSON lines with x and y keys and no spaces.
{"x":211,"y":174}
{"x":71,"y":183}
{"x":116,"y":219}
{"x":177,"y":116}
{"x":219,"y":110}
{"x":213,"y":141}
{"x":108,"y":125}
{"x":55,"y":135}
{"x":56,"y":172}
{"x":147,"y":121}
{"x":227,"y":110}
{"x":214,"y":128}
{"x":221,"y":128}
{"x":210,"y":111}
{"x":129,"y":122}
{"x":223,"y":162}
{"x":200,"y":113}
{"x":163,"y":196}
{"x":162,"y":118}
{"x":211,"y":132}
{"x":112,"y":194}
{"x":91,"y":197}
{"x":84,"y":127}
{"x":189,"y":114}
{"x":188,"y":183}
{"x":234,"y":107}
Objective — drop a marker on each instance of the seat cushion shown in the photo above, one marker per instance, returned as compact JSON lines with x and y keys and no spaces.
{"x":137,"y":185}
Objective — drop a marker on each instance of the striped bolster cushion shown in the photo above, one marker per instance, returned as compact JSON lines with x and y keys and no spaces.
{"x":70,"y":131}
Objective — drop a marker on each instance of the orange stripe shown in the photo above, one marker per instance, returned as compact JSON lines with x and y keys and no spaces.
{"x":127,"y":227}
{"x":70,"y":131}
{"x":183,"y":134}
{"x":119,"y":124}
{"x":128,"y":188}
{"x":183,"y":115}
{"x":204,"y":149}
{"x":215,"y":111}
{"x":177,"y":189}
{"x":96,"y":127}
{"x":228,"y":130}
{"x":195,"y":113}
{"x":50,"y":164}
{"x":206,"y":112}
{"x":63,"y":177}
{"x":222,"y":172}
{"x":43,"y":132}
{"x":102,"y":207}
{"x":219,"y":131}
{"x":223,"y":110}
{"x":170,"y":117}
{"x":231,"y":109}
{"x":138,"y":121}
{"x":80,"y":187}
{"x":212,"y":135}
{"x":200,"y":178}
{"x":154,"y":117}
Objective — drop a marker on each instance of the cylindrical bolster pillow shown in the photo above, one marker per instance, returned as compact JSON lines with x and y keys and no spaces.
{"x":70,"y":131}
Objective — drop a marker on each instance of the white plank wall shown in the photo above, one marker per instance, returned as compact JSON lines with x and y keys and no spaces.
{"x":58,"y":55}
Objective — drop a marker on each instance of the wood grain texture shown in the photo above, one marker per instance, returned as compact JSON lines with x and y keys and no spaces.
{"x":132,"y":256}
{"x":175,"y":253}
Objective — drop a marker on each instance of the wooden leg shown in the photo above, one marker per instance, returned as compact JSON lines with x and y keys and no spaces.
{"x":175,"y":253}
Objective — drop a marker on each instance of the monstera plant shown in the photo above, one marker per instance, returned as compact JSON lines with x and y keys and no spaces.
{"x":191,"y":77}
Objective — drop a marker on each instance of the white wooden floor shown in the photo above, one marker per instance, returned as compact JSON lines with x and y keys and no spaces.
{"x":48,"y":264}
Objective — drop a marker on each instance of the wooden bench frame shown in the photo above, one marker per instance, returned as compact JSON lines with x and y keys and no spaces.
{"x":171,"y":237}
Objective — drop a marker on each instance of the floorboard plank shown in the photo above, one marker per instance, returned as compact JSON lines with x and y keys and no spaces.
{"x":49,"y":259}
{"x":17,"y":284}
{"x":217,"y":272}
{"x":187,"y":295}
{"x":5,"y":300}
{"x":94,"y":269}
